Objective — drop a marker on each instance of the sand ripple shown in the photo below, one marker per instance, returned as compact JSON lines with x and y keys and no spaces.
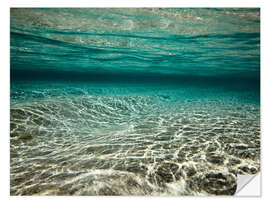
{"x":132,"y":145}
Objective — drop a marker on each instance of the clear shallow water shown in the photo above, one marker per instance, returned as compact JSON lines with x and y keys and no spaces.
{"x":133,"y":101}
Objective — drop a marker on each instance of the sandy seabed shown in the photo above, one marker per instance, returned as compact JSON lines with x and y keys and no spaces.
{"x":132,"y":145}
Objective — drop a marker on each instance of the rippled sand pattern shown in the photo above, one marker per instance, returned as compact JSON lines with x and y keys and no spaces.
{"x":132,"y":145}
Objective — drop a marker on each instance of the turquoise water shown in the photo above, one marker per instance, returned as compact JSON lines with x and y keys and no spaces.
{"x":133,"y":101}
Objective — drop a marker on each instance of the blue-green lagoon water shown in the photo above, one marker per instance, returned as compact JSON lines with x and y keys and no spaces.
{"x":133,"y":101}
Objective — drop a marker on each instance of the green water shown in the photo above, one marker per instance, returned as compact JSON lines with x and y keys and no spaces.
{"x":133,"y":101}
